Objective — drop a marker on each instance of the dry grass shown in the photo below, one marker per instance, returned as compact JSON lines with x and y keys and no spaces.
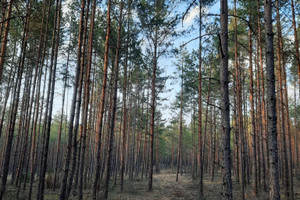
{"x":164,"y":188}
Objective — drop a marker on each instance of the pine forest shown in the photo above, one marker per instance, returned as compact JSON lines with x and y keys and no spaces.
{"x":149,"y":99}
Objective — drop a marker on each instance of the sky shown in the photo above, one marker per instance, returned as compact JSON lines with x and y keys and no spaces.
{"x":168,"y":63}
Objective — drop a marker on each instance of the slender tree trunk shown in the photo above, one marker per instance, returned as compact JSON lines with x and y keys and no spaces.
{"x":200,"y":161}
{"x":214,"y":147}
{"x":261,"y":146}
{"x":86,"y":97}
{"x":122,"y":168}
{"x":153,"y":96}
{"x":296,"y":134}
{"x":271,"y":100}
{"x":194,"y":157}
{"x":236,"y":129}
{"x":253,"y":133}
{"x":140,"y":130}
{"x":99,"y":123}
{"x":206,"y":121}
{"x":285,"y":105}
{"x":179,"y":152}
{"x":124,"y":125}
{"x":263,"y":103}
{"x":145,"y":158}
{"x":225,"y":112}
{"x":280,"y":61}
{"x":157,"y":155}
{"x":241,"y":137}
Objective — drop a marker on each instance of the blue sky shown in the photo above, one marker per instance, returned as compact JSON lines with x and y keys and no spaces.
{"x":167,"y":63}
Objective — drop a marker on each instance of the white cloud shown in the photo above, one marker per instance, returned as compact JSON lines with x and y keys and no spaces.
{"x":189,"y":19}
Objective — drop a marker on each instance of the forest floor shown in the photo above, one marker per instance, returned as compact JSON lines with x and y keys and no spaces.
{"x":165,"y":187}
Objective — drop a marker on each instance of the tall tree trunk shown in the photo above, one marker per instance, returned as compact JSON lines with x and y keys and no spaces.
{"x":296,"y":134}
{"x":262,"y":79}
{"x":260,"y":125}
{"x":286,"y":102}
{"x":214,"y":146}
{"x":200,"y":161}
{"x":238,"y":74}
{"x":253,"y":129}
{"x":179,"y":152}
{"x":144,"y":167}
{"x":236,"y":128}
{"x":225,"y":112}
{"x":157,"y":156}
{"x":99,"y":123}
{"x":124,"y":123}
{"x":206,"y":121}
{"x":194,"y":157}
{"x":86,"y":97}
{"x":282,"y":111}
{"x":140,"y":130}
{"x":153,"y":101}
{"x":271,"y":100}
